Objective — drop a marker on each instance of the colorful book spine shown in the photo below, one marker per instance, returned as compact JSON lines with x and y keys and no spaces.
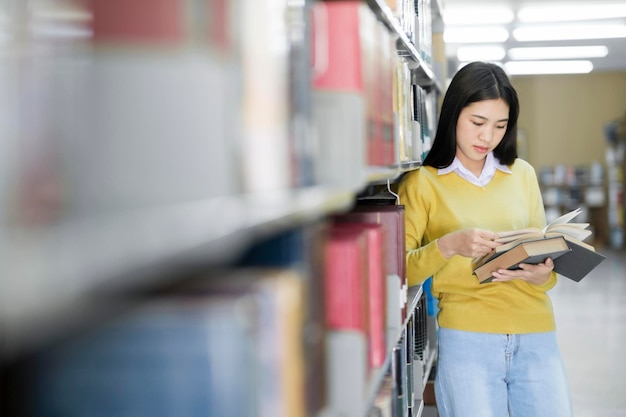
{"x":345,"y":279}
{"x":392,"y":218}
{"x":377,"y":288}
{"x":224,"y":345}
{"x":351,"y":50}
{"x":154,"y":75}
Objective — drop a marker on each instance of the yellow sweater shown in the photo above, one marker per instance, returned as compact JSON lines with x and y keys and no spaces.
{"x":439,"y":204}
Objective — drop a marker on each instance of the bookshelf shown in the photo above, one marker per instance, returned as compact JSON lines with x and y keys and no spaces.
{"x":567,"y":187}
{"x":150,"y":152}
{"x":615,"y":136}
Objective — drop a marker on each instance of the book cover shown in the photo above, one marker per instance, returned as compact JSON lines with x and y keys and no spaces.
{"x":345,"y":280}
{"x":300,"y":248}
{"x":377,"y":289}
{"x":195,"y":349}
{"x":561,"y":226}
{"x":384,"y":95}
{"x":271,"y":303}
{"x":383,"y":401}
{"x":344,"y":68}
{"x":578,"y":263}
{"x":580,"y":258}
{"x":533,"y":252}
{"x":346,"y":365}
{"x":392,"y":219}
{"x":138,"y":21}
{"x":266,"y":151}
{"x":165,"y":359}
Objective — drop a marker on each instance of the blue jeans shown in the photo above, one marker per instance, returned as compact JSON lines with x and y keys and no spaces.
{"x":499,"y":375}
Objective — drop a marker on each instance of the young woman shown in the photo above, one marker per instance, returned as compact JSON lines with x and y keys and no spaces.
{"x":498,"y":352}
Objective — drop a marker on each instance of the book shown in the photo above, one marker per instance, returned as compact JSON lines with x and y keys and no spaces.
{"x":377,"y":291}
{"x":301,"y":248}
{"x":352,"y":76}
{"x":561,"y":226}
{"x":346,"y":367}
{"x":392,"y":219}
{"x":531,"y":252}
{"x":576,"y":264}
{"x":383,"y":401}
{"x":377,"y":287}
{"x":346,"y":291}
{"x":195,"y":350}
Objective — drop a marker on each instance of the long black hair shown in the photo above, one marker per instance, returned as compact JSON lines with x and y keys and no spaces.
{"x":474,"y":82}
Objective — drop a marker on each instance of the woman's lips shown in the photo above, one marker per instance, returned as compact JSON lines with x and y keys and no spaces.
{"x":481,"y":149}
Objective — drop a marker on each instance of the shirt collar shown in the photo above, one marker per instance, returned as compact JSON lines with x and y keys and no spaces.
{"x":491,"y":165}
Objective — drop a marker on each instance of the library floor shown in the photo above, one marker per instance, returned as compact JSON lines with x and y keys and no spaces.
{"x":591,"y":327}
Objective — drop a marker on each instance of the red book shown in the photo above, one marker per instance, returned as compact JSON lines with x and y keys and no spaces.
{"x":382,"y":95}
{"x":377,"y":289}
{"x":138,"y":21}
{"x":345,"y":279}
{"x":392,"y":218}
{"x":337,"y":46}
{"x":346,"y":64}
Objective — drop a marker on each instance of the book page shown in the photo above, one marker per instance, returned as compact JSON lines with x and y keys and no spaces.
{"x":566,"y":218}
{"x":512,"y":235}
{"x":561,"y":226}
{"x":579,"y":233}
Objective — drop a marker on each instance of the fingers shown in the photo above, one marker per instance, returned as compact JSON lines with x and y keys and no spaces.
{"x":486,"y":239}
{"x":487,"y":234}
{"x":534,"y":274}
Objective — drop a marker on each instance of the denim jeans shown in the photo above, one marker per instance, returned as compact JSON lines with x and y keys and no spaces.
{"x":499,"y":375}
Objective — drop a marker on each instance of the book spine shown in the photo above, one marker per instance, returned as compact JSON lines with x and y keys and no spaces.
{"x":340,"y":98}
{"x":345,"y":280}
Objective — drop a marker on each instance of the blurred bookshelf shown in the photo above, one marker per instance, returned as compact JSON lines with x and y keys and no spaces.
{"x":615,"y":135}
{"x":566,"y":187}
{"x":148,"y":143}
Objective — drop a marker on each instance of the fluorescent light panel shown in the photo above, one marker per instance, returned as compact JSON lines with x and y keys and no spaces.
{"x":480,"y":53}
{"x":478,"y":15}
{"x":558,"y":52}
{"x":475,"y":35}
{"x":554,"y":13}
{"x":569,"y":32}
{"x":548,"y":67}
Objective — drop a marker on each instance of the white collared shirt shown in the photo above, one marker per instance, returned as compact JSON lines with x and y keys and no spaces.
{"x":489,"y":170}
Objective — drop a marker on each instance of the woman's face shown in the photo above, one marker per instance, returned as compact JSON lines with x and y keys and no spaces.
{"x":479,"y":129}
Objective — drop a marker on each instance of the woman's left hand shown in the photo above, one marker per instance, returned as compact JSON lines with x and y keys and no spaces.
{"x":533,"y":274}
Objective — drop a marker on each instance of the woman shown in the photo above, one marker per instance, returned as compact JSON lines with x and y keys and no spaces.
{"x":498,"y":352}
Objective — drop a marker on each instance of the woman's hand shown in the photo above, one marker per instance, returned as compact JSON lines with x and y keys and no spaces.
{"x":534,"y":274}
{"x":470,"y":243}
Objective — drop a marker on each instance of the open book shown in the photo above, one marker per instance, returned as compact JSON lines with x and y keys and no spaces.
{"x":574,"y":264}
{"x":529,"y":252}
{"x":561,"y":226}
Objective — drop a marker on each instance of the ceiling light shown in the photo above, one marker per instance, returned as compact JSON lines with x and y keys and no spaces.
{"x":558,"y":52}
{"x":548,"y":67}
{"x":480,"y":53}
{"x":555,"y":13}
{"x":475,"y":35}
{"x":568,"y":32}
{"x":477,"y":15}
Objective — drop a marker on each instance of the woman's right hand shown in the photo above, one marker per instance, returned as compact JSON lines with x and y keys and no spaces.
{"x":471,"y":243}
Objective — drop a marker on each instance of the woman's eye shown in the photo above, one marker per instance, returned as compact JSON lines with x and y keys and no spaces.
{"x":501,"y":127}
{"x":477,"y":123}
